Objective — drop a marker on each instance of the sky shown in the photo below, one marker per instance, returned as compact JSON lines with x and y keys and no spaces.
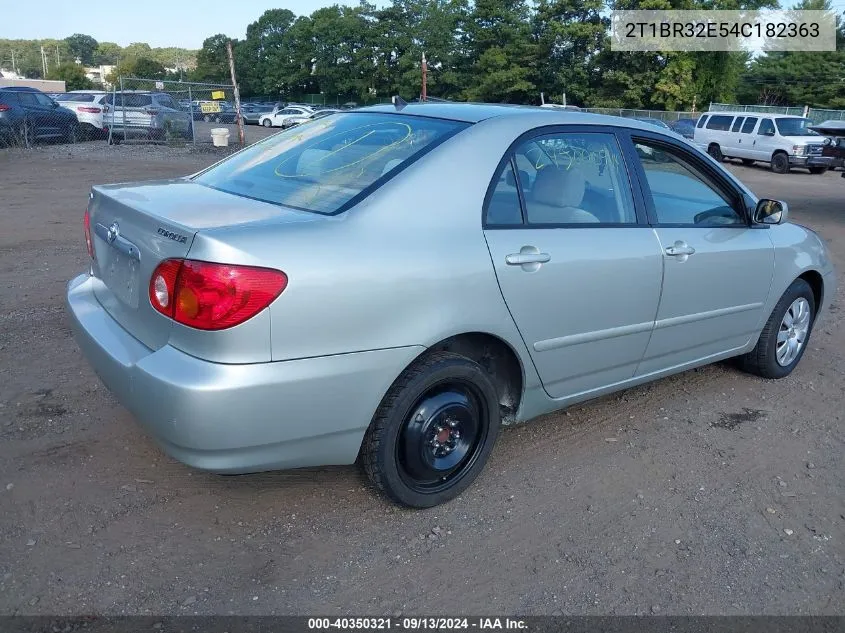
{"x":160,"y":23}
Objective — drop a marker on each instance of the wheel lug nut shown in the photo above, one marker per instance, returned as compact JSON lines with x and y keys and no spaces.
{"x":453,"y":423}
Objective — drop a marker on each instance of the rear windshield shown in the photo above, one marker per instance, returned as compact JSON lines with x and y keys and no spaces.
{"x":327,"y":164}
{"x":130,"y":100}
{"x":75,"y":97}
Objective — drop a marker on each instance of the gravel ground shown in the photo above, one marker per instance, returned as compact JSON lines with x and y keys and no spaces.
{"x":711,"y":492}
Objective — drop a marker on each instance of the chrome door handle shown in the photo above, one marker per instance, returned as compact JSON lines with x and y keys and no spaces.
{"x":679,"y":249}
{"x":520,"y":259}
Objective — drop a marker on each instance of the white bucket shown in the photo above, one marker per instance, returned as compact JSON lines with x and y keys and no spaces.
{"x":220,"y":136}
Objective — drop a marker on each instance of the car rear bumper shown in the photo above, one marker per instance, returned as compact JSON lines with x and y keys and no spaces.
{"x":237,"y":418}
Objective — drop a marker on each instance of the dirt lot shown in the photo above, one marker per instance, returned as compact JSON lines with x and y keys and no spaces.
{"x":709,"y":492}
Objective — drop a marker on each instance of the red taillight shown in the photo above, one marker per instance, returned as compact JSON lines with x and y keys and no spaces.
{"x":89,"y":109}
{"x":4,"y":107}
{"x":87,"y":222}
{"x":210,"y":296}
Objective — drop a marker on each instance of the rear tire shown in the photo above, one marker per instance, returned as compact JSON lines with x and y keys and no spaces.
{"x":433,"y":431}
{"x":787,"y":323}
{"x":72,"y":134}
{"x":715,"y":151}
{"x":780,"y":163}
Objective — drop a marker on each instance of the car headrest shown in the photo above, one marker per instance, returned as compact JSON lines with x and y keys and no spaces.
{"x":524,"y":178}
{"x":393,"y":162}
{"x":312,"y":162}
{"x":559,"y":187}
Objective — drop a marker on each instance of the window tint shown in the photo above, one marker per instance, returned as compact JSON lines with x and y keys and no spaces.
{"x":737,"y":124}
{"x":503,"y":207}
{"x":331,"y":163}
{"x":27,"y":99}
{"x":748,"y":126}
{"x":681,"y":193}
{"x":701,"y":121}
{"x":574,"y":178}
{"x":43,"y":100}
{"x":719,"y":122}
{"x":165,"y":101}
{"x":766,"y":127}
{"x":76,"y":97}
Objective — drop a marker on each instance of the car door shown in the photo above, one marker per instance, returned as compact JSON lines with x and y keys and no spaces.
{"x":53,"y":120}
{"x":765,"y":142}
{"x":737,"y":149}
{"x":717,"y":267}
{"x":748,"y":139}
{"x":577,"y":266}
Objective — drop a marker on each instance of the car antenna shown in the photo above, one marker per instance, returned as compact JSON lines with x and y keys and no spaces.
{"x":399,"y":102}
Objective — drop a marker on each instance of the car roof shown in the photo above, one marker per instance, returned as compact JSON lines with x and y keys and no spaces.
{"x":20,"y":89}
{"x":85,"y":92}
{"x":477,"y":112}
{"x":768,"y":114}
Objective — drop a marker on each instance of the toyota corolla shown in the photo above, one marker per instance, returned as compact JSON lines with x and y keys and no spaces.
{"x":392,"y":285}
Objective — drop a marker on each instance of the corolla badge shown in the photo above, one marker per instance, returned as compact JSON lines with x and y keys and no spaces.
{"x":114,"y":231}
{"x":176,"y":237}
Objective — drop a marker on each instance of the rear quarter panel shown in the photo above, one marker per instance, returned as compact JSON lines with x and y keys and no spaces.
{"x":407,"y":266}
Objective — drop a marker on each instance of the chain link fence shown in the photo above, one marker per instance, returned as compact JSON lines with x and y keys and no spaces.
{"x":170,"y":112}
{"x":135,"y":110}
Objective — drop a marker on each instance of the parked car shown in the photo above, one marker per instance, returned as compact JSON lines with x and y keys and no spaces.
{"x":252,"y":112}
{"x":834,"y":142}
{"x":212,"y":308}
{"x":278,"y":116}
{"x":88,"y":105}
{"x":214,"y":112}
{"x":684,"y":127}
{"x":318,"y":114}
{"x":28,"y":115}
{"x":783,"y":141}
{"x":139,"y":114}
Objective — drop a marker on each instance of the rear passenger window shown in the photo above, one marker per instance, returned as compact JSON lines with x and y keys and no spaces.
{"x":504,"y":207}
{"x":748,"y":126}
{"x":719,"y":122}
{"x":573,"y":178}
{"x":701,"y":121}
{"x":737,"y":124}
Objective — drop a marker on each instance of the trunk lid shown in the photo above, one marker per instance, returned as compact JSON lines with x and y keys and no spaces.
{"x":134,"y":227}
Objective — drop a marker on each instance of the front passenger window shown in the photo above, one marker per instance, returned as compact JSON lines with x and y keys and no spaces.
{"x":681,"y":193}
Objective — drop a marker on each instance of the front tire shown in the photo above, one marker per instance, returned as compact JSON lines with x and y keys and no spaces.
{"x":433,"y":431}
{"x":780,"y":163}
{"x":786,"y":334}
{"x":716,"y":152}
{"x":267,"y":123}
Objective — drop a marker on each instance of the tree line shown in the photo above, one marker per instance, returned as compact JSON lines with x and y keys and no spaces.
{"x":491,"y":50}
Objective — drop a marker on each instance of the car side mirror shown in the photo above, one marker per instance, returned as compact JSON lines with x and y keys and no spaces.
{"x":769,"y":133}
{"x":770,"y":212}
{"x":828,"y":141}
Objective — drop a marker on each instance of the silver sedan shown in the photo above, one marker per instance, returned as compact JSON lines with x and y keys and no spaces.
{"x":392,"y":285}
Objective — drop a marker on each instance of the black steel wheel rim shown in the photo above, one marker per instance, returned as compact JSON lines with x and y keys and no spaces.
{"x":441,"y":437}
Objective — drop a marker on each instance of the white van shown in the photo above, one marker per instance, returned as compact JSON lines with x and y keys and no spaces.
{"x":781,"y":140}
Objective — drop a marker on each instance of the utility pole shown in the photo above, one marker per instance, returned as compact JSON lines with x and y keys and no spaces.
{"x":14,"y":68}
{"x":237,"y":92}
{"x":424,"y":77}
{"x":44,"y":62}
{"x":58,"y":57}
